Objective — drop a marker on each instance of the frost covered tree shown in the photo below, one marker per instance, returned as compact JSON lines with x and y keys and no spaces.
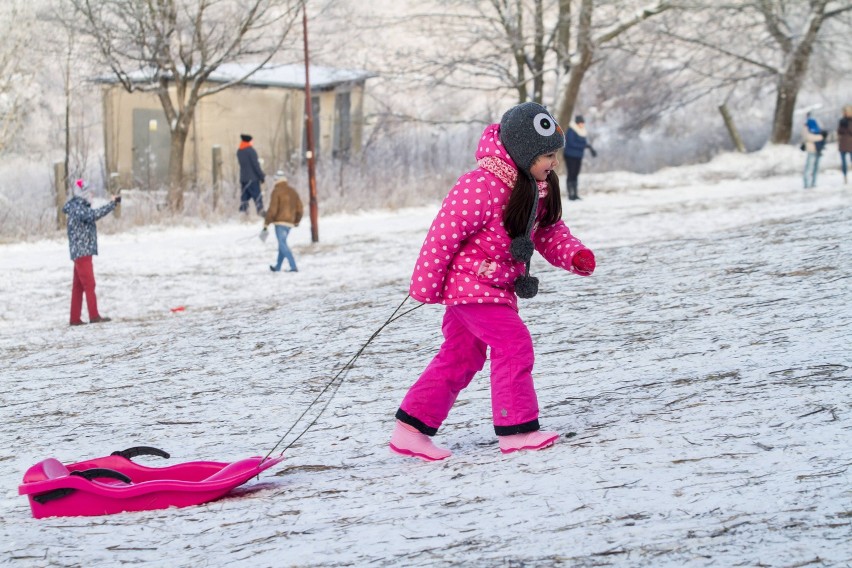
{"x":590,"y":40}
{"x":776,"y":38}
{"x":484,"y":45}
{"x":171,"y":47}
{"x":64,"y":70}
{"x":15,"y":74}
{"x":528,"y":46}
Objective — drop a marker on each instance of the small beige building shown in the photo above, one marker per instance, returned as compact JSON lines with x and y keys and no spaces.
{"x":269,"y":105}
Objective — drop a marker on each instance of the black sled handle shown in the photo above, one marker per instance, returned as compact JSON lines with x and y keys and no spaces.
{"x":130,"y":453}
{"x":101,"y":472}
{"x":90,"y":474}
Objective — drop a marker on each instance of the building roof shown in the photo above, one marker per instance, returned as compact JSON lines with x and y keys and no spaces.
{"x":290,"y":75}
{"x":287,"y":76}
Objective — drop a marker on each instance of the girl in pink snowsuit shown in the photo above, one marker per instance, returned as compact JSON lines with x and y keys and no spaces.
{"x":475,"y":261}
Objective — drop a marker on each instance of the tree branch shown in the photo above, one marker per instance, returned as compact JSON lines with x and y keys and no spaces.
{"x":638,"y":19}
{"x":773,"y":25}
{"x":838,"y":11}
{"x":724,"y":51}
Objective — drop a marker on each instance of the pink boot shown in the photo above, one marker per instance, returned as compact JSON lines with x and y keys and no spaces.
{"x":528,"y":441}
{"x":408,"y":441}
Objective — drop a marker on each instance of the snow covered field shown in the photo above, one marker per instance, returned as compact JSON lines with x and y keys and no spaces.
{"x":706,"y":369}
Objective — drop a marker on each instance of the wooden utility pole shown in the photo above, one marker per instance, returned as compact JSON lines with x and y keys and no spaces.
{"x":217,"y":174}
{"x":309,"y":134}
{"x":59,"y":182}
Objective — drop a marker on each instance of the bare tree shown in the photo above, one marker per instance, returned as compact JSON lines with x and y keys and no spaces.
{"x":589,"y":41}
{"x":15,"y":76}
{"x":774,"y":37}
{"x":171,"y":47}
{"x":527,"y":45}
{"x":62,"y":51}
{"x":487,"y":45}
{"x":796,"y":54}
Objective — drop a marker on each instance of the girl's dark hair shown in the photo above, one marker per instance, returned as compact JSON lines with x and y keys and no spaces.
{"x":522,"y":200}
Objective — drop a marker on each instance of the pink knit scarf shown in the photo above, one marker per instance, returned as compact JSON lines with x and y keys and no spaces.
{"x":507,"y":173}
{"x":499,"y":168}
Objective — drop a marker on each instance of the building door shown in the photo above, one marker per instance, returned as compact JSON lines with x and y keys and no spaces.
{"x":342,"y":126}
{"x":151,"y":142}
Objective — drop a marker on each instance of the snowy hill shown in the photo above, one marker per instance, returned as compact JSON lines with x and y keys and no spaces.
{"x":705,"y":369}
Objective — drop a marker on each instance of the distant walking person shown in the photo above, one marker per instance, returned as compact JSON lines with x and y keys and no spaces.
{"x":285,"y":211}
{"x":814,"y":140}
{"x":251,"y":176}
{"x":575,"y":148}
{"x":83,"y":244}
{"x":844,"y":139}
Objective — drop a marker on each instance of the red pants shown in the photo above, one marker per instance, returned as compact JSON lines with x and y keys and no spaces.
{"x":84,"y":282}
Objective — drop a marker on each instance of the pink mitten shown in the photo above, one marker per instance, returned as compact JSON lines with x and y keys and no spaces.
{"x":584,"y":261}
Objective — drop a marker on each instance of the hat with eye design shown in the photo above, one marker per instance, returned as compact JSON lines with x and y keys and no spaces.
{"x":527,"y":131}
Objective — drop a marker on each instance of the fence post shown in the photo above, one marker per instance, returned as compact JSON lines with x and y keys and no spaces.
{"x":217,"y":174}
{"x":114,"y":189}
{"x":59,"y":183}
{"x":732,"y":128}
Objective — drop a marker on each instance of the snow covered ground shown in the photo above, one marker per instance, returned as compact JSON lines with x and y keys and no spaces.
{"x":705,"y":368}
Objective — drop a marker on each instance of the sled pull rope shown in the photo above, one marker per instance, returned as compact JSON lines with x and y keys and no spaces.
{"x":341,"y":374}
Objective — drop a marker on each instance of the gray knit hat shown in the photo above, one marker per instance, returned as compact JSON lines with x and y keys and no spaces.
{"x":527,"y":131}
{"x":81,"y":188}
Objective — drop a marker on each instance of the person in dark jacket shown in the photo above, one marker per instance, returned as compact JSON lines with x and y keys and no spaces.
{"x":575,"y":149}
{"x":251,"y":176}
{"x":83,"y":244}
{"x":844,"y":139}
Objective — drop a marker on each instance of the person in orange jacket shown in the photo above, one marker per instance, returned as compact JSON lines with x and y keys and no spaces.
{"x":251,"y":175}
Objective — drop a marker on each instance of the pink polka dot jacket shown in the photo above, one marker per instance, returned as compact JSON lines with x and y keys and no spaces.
{"x":465,"y":258}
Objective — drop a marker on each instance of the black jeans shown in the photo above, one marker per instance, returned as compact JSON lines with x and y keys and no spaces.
{"x":251,"y":190}
{"x":573,"y":167}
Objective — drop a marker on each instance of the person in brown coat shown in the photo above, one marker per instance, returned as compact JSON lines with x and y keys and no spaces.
{"x":844,"y":138}
{"x":285,"y":211}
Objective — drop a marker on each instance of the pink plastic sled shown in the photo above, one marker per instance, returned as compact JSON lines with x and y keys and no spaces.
{"x":114,"y":484}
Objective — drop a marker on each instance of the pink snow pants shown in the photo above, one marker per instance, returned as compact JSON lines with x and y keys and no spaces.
{"x":468,"y":330}
{"x":84,"y":283}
